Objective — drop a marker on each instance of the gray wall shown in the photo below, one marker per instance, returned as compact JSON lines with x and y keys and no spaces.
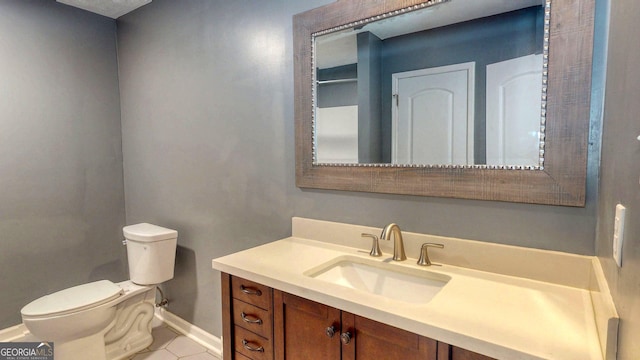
{"x":620,"y":171}
{"x":61,"y":189}
{"x":207,"y":117}
{"x":369,"y":98}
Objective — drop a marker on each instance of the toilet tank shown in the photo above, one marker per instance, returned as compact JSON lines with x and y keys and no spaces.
{"x":151,"y":251}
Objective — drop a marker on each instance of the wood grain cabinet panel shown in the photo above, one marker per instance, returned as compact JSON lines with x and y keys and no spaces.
{"x":302,"y":329}
{"x":448,"y":352}
{"x":252,"y":318}
{"x":316,"y":331}
{"x":247,"y":319}
{"x":294,"y":328}
{"x":251,"y":345}
{"x":375,"y":340}
{"x":251,"y":293}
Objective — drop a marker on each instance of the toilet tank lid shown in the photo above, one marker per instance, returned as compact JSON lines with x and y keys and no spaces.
{"x":148,"y":232}
{"x":73,"y":299}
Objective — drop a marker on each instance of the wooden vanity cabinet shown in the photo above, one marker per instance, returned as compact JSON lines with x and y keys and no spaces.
{"x":316,"y":331}
{"x":293,"y":328}
{"x":304,"y":327}
{"x":247,"y":316}
{"x":449,"y":352}
{"x":308,"y":324}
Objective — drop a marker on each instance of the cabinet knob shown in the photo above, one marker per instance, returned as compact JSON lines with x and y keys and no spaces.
{"x":330,"y":331}
{"x":345,"y":337}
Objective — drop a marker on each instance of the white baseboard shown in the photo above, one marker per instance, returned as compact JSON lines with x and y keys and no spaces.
{"x":211,"y":342}
{"x":13,"y":333}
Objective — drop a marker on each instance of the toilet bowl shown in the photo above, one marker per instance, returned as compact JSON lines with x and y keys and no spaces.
{"x":80,"y":320}
{"x":103,"y":320}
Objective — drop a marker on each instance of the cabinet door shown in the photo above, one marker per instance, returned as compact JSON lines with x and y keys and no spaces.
{"x":372,"y":340}
{"x":448,"y":352}
{"x":301,"y":328}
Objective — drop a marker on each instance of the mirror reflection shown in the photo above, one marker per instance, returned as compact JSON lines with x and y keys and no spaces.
{"x":459,"y":83}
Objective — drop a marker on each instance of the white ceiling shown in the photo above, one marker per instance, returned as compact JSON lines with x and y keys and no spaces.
{"x":341,"y":45}
{"x":109,"y":8}
{"x":450,"y":12}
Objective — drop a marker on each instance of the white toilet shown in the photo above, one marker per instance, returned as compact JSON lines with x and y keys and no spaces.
{"x":103,"y":320}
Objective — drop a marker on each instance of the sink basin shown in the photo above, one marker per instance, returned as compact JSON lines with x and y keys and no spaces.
{"x":383,"y":279}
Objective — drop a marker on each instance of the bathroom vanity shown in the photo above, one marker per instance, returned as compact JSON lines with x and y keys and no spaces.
{"x":265,"y":323}
{"x":294,"y":299}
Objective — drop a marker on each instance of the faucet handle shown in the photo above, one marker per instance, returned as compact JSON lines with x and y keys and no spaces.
{"x":375,"y":246}
{"x":424,"y":255}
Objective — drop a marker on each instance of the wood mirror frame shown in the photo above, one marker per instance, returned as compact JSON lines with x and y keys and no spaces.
{"x":562,"y":181}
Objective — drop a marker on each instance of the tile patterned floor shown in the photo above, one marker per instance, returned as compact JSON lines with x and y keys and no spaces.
{"x":168,"y":344}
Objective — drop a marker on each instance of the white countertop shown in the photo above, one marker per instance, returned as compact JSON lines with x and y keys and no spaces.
{"x":502,"y":316}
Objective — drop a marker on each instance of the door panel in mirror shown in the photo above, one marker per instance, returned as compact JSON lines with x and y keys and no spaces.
{"x":432,"y":116}
{"x":513,"y":122}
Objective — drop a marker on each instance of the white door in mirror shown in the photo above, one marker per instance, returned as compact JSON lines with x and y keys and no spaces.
{"x":513,"y":111}
{"x":432,"y":115}
{"x":618,"y":234}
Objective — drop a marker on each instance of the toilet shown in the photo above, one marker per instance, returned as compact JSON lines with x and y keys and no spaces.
{"x":103,"y":320}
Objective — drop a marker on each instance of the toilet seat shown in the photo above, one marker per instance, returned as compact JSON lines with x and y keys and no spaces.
{"x":73,"y":299}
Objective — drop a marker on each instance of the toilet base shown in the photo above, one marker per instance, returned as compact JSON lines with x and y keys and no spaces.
{"x":90,"y":347}
{"x":131,"y":331}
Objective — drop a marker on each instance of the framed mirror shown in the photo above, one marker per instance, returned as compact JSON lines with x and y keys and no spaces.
{"x":445,"y":98}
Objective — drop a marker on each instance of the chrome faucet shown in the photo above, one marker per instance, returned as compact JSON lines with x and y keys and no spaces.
{"x":424,"y":254}
{"x":375,"y":246}
{"x":398,"y":244}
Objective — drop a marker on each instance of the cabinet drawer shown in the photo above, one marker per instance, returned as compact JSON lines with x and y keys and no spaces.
{"x":252,"y":318}
{"x":251,"y":345}
{"x":251,"y":292}
{"x":238,"y":356}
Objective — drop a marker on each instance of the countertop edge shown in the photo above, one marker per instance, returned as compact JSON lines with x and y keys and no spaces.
{"x":606,"y":316}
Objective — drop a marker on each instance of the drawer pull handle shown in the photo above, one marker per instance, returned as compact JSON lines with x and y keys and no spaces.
{"x":251,"y":319}
{"x":245,"y":344}
{"x":250,"y":291}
